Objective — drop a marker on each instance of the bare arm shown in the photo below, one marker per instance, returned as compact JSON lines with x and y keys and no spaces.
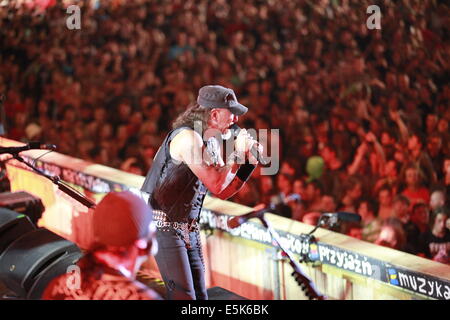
{"x":242,"y":175}
{"x":360,"y":154}
{"x":404,"y":133}
{"x":234,"y":187}
{"x":187,"y":146}
{"x":381,"y":157}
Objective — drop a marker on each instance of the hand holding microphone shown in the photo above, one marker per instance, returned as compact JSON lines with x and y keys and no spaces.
{"x":245,"y":144}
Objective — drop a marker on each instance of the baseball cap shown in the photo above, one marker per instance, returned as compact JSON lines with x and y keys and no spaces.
{"x":121,"y":218}
{"x":215,"y":96}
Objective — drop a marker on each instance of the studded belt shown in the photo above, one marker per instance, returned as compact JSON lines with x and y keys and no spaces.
{"x":183,"y":228}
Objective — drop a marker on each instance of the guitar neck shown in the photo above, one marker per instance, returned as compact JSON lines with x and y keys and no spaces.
{"x":304,"y":282}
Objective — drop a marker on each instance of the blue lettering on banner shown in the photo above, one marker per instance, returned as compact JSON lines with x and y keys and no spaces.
{"x":423,"y":284}
{"x":393,"y":277}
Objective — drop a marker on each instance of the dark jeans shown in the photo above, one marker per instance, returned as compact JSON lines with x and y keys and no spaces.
{"x":181,"y":268}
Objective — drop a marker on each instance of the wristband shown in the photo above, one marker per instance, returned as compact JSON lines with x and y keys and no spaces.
{"x":245,"y":171}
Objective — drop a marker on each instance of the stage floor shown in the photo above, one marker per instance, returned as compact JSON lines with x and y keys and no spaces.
{"x":214,"y":293}
{"x":154,"y":284}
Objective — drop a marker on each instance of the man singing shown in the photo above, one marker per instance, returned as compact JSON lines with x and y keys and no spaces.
{"x":184,"y":169}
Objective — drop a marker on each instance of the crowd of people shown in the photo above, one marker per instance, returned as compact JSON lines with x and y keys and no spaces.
{"x":363,"y":114}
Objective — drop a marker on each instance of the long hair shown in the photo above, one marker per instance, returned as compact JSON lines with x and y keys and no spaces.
{"x":195,"y":114}
{"x":399,"y":232}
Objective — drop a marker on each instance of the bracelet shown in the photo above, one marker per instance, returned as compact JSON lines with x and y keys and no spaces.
{"x":245,"y":171}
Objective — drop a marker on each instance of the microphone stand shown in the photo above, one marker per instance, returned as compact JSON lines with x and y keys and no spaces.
{"x":309,"y":238}
{"x":305,"y":283}
{"x":61,"y":185}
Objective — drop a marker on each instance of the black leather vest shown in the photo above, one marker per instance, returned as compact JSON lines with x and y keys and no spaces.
{"x":172,"y":186}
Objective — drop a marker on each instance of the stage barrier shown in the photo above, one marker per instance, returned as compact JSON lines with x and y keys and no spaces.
{"x":241,"y":260}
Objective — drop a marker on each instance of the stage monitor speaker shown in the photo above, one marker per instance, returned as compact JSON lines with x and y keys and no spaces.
{"x":55,"y":269}
{"x":12,"y":226}
{"x":218,"y":293}
{"x":34,"y":258}
{"x":23,"y":202}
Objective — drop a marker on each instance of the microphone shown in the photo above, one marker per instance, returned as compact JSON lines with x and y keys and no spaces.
{"x":28,"y":146}
{"x":344,"y":216}
{"x":334,"y":217}
{"x":238,"y":220}
{"x":254,"y":150}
